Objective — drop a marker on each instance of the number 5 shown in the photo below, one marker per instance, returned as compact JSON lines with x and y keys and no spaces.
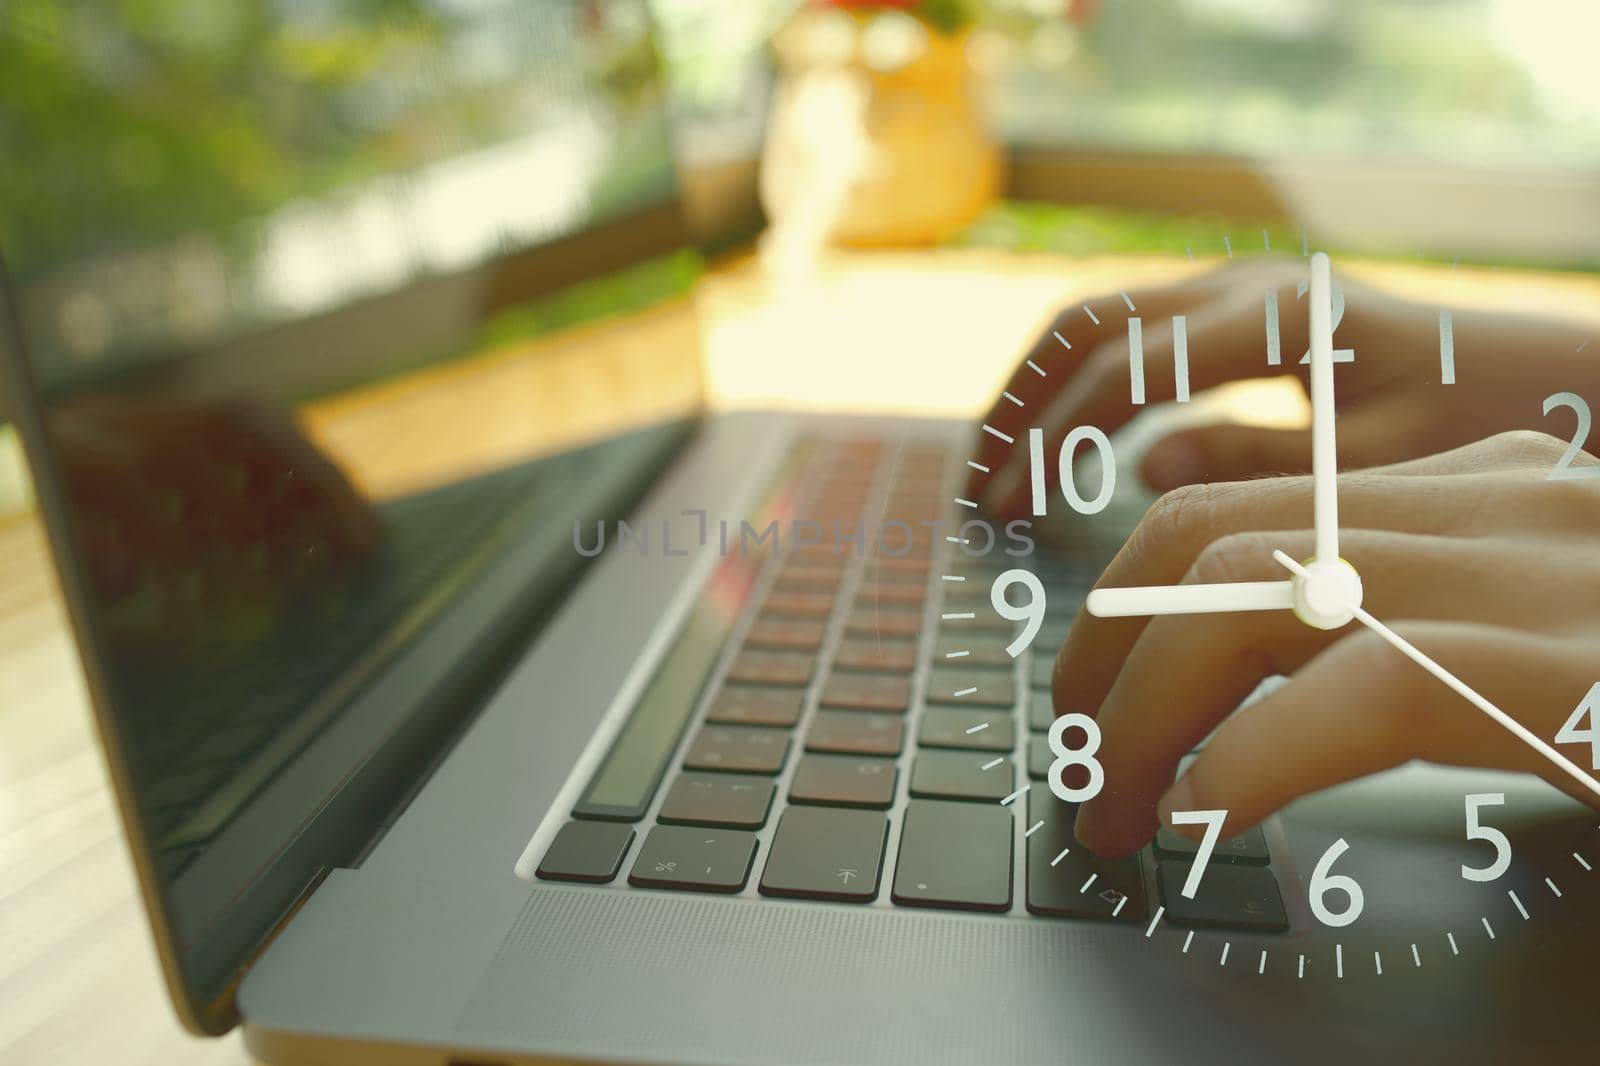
{"x":1502,"y":846}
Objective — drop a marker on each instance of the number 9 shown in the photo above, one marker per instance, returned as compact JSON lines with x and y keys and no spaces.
{"x":1031,"y":612}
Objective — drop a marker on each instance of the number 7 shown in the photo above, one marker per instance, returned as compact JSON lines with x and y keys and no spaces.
{"x":1212,"y":820}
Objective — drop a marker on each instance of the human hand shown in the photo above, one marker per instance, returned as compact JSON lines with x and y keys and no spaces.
{"x":1475,"y":556}
{"x":1388,"y":401}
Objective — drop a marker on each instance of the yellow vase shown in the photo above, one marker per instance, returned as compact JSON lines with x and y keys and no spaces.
{"x":876,"y":136}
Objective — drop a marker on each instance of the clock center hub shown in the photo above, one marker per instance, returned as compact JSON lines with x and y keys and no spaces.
{"x":1327,"y":596}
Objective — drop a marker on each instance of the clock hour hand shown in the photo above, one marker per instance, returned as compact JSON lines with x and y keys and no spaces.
{"x":1191,"y":599}
{"x":1461,"y":688}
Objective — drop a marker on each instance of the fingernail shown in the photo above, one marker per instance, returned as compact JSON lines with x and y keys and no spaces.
{"x":1172,"y":463}
{"x":1180,"y":797}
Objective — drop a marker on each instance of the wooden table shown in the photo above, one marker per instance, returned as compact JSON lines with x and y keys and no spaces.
{"x":925,"y":332}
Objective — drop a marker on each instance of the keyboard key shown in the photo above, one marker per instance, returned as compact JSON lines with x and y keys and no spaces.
{"x":800,"y":634}
{"x":981,"y":651}
{"x":972,"y":730}
{"x":699,"y":860}
{"x":1064,"y":880}
{"x":867,"y":692}
{"x":826,"y":854}
{"x":867,"y":653}
{"x":875,"y":576}
{"x":758,"y":667}
{"x":843,"y":781}
{"x":739,"y":705}
{"x":896,"y":595}
{"x":1039,"y":757}
{"x":960,"y":775}
{"x":984,"y":688}
{"x":1040,"y":668}
{"x":1230,"y":896}
{"x":1041,"y":709}
{"x":1249,"y":847}
{"x":738,"y":749}
{"x":856,"y":733}
{"x":954,"y":855}
{"x":728,"y":800}
{"x":586,"y":851}
{"x":883,"y":621}
{"x":799,"y":604}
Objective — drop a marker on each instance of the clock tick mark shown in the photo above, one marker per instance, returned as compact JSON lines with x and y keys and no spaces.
{"x":1302,"y":967}
{"x":1187,"y":941}
{"x":1034,"y":828}
{"x":1085,"y":886}
{"x":1518,"y":902}
{"x":1092,"y":316}
{"x":980,"y":727}
{"x":992,"y":763}
{"x":1224,"y":960}
{"x":1058,"y":858}
{"x":979,"y":467}
{"x":1151,"y":928}
{"x":1338,"y":960}
{"x":1416,"y":956}
{"x":1008,"y":438}
{"x":1013,"y":399}
{"x":968,"y":691}
{"x":1582,"y":861}
{"x":966,"y":502}
{"x":1487,"y":928}
{"x":1452,"y":938}
{"x":1261,"y":967}
{"x":1556,"y":891}
{"x":1012,"y":798}
{"x":1129,"y":301}
{"x":1377,"y":963}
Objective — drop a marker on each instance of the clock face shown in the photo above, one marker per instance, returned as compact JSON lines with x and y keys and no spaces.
{"x":1400,"y":869}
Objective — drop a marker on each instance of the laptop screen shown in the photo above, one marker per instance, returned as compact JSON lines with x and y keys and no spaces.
{"x":317,"y":301}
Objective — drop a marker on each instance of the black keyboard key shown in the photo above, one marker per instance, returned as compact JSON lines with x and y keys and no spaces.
{"x":868,"y":653}
{"x":856,"y":733}
{"x":1229,"y":897}
{"x":699,"y":860}
{"x":729,"y":800}
{"x":1249,"y":847}
{"x":980,"y":651}
{"x":826,"y":854}
{"x":954,"y":855}
{"x":762,"y":667}
{"x":981,"y":688}
{"x":867,"y":620}
{"x":843,"y":781}
{"x":586,"y":851}
{"x":1039,"y":757}
{"x":1041,"y":710}
{"x":867,"y":692}
{"x":961,"y":775}
{"x":990,"y":730}
{"x":747,"y":705}
{"x":800,"y":634}
{"x":1064,"y":880}
{"x":738,"y":749}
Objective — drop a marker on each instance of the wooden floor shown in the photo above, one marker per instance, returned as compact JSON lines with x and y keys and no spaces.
{"x":907,"y":332}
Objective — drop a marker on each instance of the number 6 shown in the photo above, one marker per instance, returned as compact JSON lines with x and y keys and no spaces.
{"x":1323,"y":882}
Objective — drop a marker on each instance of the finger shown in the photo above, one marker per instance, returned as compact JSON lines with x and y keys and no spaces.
{"x":1184,"y":526}
{"x":1361,"y":707}
{"x":1224,"y":342}
{"x":1186,"y":674}
{"x":1374,"y":433}
{"x":1061,"y":350}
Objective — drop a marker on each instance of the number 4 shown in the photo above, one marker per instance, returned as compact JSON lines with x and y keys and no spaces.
{"x":1571,"y":733}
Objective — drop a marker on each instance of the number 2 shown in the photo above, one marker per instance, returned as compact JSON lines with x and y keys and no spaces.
{"x":1564,"y":468}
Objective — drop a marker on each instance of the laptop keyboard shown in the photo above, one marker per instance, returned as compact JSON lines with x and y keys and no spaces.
{"x":866,"y":738}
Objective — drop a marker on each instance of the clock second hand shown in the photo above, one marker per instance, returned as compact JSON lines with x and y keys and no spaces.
{"x":1461,"y":688}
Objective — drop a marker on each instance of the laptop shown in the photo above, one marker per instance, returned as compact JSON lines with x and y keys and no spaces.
{"x":472,"y":696}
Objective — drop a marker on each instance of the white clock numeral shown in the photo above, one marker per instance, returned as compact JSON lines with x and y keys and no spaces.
{"x":1180,"y":358}
{"x":1477,"y":831}
{"x":1323,"y":882}
{"x":1564,"y":468}
{"x":1068,"y":757}
{"x":1574,"y":732}
{"x":1031,"y":612}
{"x":1340,"y":355}
{"x":1447,"y":349}
{"x":1212,"y":820}
{"x":1069,"y":487}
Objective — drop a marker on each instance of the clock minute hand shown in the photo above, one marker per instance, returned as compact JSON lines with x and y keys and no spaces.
{"x":1461,"y":688}
{"x":1324,"y":461}
{"x":1191,"y":599}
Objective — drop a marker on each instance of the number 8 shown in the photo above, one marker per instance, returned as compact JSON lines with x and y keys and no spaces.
{"x":1068,"y":757}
